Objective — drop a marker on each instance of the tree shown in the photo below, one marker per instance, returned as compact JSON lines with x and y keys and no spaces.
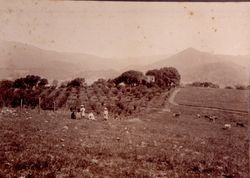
{"x":28,"y":82}
{"x":77,"y":82}
{"x":166,"y":77}
{"x":19,"y":83}
{"x":5,"y":84}
{"x":130,"y":77}
{"x":5,"y":88}
{"x":43,"y":82}
{"x":32,"y":80}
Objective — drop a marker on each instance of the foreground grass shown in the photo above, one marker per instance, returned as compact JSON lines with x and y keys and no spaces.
{"x":156,"y":145}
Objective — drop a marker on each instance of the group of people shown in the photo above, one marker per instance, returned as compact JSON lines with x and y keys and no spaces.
{"x":81,"y":114}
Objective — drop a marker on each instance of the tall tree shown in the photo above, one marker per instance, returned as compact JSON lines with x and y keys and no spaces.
{"x":130,"y":77}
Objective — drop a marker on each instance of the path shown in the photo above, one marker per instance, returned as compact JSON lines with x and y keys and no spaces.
{"x":172,"y":97}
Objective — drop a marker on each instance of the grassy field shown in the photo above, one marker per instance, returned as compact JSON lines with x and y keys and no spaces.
{"x":155,"y":144}
{"x":216,"y":98}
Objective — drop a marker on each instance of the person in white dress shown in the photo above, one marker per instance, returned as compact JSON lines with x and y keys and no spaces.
{"x":105,"y":114}
{"x":82,"y":110}
{"x":78,"y":114}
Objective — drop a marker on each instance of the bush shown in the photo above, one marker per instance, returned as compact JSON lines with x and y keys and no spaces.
{"x":57,"y":93}
{"x":240,"y":87}
{"x":47,"y":104}
{"x":204,"y":84}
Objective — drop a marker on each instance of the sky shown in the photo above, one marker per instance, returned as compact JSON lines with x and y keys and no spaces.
{"x":127,"y":29}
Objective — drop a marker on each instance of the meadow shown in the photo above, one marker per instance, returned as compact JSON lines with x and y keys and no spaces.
{"x":154,"y":143}
{"x":227,"y":99}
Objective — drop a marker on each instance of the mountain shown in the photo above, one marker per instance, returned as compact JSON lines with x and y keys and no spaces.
{"x":18,"y":59}
{"x":92,"y":76}
{"x":195,"y":65}
{"x":244,"y":61}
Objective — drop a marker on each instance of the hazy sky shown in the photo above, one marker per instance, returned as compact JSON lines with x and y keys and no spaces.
{"x":127,"y":29}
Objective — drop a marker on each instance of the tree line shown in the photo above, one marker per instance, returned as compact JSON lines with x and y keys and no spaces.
{"x":30,"y":89}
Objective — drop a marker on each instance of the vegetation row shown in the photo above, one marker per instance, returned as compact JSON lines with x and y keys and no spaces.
{"x":127,"y":94}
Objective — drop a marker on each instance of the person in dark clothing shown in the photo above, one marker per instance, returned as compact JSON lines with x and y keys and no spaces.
{"x":73,"y":115}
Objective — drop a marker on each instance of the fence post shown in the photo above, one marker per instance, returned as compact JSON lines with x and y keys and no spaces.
{"x":54,"y":106}
{"x":21,"y":105}
{"x":39,"y":105}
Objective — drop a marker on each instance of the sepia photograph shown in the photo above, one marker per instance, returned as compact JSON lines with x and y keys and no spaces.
{"x":124,"y":89}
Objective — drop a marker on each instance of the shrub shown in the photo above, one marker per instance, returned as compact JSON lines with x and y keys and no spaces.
{"x":120,"y":105}
{"x":18,"y":95}
{"x":48,"y":103}
{"x":57,"y":93}
{"x":204,"y":84}
{"x":240,"y":87}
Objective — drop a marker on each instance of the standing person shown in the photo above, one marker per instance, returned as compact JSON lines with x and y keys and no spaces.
{"x":73,"y":115}
{"x":105,"y":114}
{"x":82,"y":110}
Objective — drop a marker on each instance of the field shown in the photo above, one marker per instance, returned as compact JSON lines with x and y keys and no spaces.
{"x":236,"y":100}
{"x":152,"y":144}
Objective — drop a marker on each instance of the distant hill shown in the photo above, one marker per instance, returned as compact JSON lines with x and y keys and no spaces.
{"x":195,"y":65}
{"x":17,"y":59}
{"x":92,"y":76}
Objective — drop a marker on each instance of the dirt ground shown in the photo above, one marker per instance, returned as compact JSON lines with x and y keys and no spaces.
{"x":172,"y":141}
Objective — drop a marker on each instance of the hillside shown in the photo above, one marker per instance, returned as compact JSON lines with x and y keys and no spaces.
{"x":195,"y":65}
{"x":221,"y":73}
{"x":19,"y":59}
{"x":152,"y":144}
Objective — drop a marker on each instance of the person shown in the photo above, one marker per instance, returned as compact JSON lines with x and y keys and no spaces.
{"x":91,"y":116}
{"x":78,"y":114}
{"x":82,"y":110}
{"x":73,"y":115}
{"x":105,"y":114}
